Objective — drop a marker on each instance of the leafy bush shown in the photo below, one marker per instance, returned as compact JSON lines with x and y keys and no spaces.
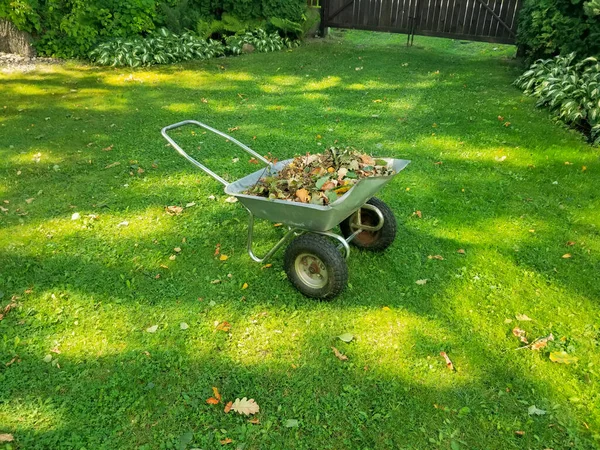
{"x":551,"y":27}
{"x":261,"y":41}
{"x":162,"y":47}
{"x":571,"y":90}
{"x":70,"y":28}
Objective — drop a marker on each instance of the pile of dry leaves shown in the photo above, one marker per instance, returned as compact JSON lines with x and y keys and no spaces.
{"x":321,"y":178}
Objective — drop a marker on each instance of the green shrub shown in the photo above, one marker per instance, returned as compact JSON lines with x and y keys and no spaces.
{"x":571,"y":90}
{"x":70,"y":28}
{"x":162,"y":47}
{"x":551,"y":27}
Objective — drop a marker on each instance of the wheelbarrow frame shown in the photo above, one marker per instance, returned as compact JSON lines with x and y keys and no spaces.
{"x":305,"y":217}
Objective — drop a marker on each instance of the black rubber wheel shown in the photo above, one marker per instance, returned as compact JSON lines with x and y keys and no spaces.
{"x":315,"y":266}
{"x":375,"y":241}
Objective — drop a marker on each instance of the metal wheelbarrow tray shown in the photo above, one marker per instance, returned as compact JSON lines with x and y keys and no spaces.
{"x":313,"y":263}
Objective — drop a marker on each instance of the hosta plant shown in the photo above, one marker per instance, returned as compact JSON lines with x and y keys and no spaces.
{"x":569,"y":88}
{"x":162,"y":47}
{"x":261,"y":41}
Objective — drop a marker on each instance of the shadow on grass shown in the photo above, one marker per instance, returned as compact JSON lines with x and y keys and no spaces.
{"x":473,"y":201}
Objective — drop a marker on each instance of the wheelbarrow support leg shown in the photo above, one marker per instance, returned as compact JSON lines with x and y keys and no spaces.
{"x":292,"y":232}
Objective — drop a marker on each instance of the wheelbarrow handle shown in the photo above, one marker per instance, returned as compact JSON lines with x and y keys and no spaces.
{"x":220,"y":133}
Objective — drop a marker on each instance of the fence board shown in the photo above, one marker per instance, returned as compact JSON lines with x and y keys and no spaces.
{"x":457,"y":19}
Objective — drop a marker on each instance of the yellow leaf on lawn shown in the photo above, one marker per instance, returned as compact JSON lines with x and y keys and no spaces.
{"x":563,"y":358}
{"x":223,"y":257}
{"x":245,"y":286}
{"x":566,"y":255}
{"x":226,"y":441}
{"x":224,"y":326}
{"x":216,"y":393}
{"x":386,"y":308}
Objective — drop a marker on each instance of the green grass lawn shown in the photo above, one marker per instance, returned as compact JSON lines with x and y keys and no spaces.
{"x":79,"y":368}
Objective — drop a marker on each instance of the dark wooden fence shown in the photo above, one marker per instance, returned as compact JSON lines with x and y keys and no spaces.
{"x":478,"y":20}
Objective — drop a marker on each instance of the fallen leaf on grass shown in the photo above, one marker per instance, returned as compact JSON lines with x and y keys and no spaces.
{"x":231,"y":199}
{"x":212,"y":401}
{"x":152,"y":329}
{"x":421,"y":282}
{"x":29,"y":200}
{"x":533,"y":410}
{"x":6,"y":438}
{"x":570,"y":243}
{"x":123,"y":224}
{"x":190,"y":204}
{"x":174,"y":210}
{"x":233,"y":129}
{"x":177,"y":249}
{"x":12,"y":361}
{"x":173,"y":257}
{"x":253,"y":160}
{"x":520,"y":433}
{"x":215,"y":281}
{"x":346,"y":337}
{"x":523,"y":317}
{"x":226,"y":441}
{"x":266,"y":266}
{"x":183,"y":326}
{"x":75,"y":216}
{"x":461,"y":251}
{"x":245,"y":286}
{"x":418,"y":213}
{"x":245,"y":406}
{"x":438,"y":257}
{"x":224,"y":326}
{"x":339,"y":355}
{"x":228,"y":407}
{"x":449,"y":364}
{"x":291,"y":423}
{"x":217,"y":249}
{"x":109,"y":148}
{"x":520,"y":334}
{"x":566,"y":255}
{"x":115,"y":164}
{"x":540,"y":343}
{"x":563,"y":358}
{"x":254,"y":421}
{"x":223,"y":258}
{"x":216,"y":393}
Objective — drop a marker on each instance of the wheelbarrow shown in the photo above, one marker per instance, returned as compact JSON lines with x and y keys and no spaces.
{"x":315,"y":259}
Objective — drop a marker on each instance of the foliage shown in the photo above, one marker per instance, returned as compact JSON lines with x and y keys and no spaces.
{"x":162,"y":47}
{"x":262,"y":42}
{"x":320,"y":178}
{"x":550,"y":27}
{"x":571,"y":90}
{"x":227,"y":26}
{"x":70,"y":28}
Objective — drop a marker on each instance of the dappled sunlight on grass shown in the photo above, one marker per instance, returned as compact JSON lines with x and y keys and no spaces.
{"x":325,"y":83}
{"x":285,"y":80}
{"x":93,"y":287}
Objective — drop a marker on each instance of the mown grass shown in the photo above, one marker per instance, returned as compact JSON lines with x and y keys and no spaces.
{"x":510,"y":196}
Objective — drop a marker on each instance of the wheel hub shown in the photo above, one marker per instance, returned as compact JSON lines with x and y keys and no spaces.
{"x":311,"y":270}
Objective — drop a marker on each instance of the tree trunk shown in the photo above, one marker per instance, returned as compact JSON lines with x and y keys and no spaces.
{"x":15,"y":41}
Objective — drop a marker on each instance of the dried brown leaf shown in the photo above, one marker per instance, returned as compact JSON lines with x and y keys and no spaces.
{"x":228,"y":407}
{"x":447,"y":359}
{"x":518,"y":332}
{"x":339,"y":355}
